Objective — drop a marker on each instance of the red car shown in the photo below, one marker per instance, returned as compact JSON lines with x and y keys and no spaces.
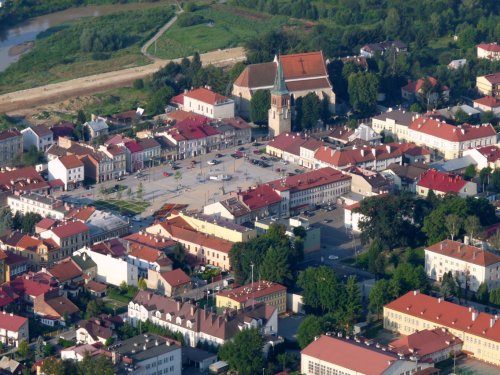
{"x":166,"y":174}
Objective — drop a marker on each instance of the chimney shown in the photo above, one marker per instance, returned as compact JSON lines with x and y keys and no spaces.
{"x":492,"y":322}
{"x":474,"y":315}
{"x":115,"y":357}
{"x":178,"y":305}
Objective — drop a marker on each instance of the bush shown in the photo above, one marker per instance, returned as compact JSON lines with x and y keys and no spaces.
{"x":139,"y":84}
{"x":186,"y":20}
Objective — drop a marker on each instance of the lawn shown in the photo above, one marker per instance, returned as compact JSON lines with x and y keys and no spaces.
{"x":230,"y":27}
{"x":121,"y":206}
{"x":117,"y":100}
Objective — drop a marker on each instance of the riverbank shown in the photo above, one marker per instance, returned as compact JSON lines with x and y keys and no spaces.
{"x":21,"y":48}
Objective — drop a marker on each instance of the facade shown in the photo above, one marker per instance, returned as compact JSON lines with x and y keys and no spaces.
{"x":11,"y":146}
{"x":488,"y":104}
{"x":46,"y":206}
{"x":13,"y":329}
{"x":405,"y":177}
{"x":93,"y":331}
{"x":394,"y":123}
{"x":38,"y":136}
{"x":448,"y":140}
{"x":260,"y":291}
{"x":470,"y":264}
{"x":197,"y":324}
{"x":69,"y":169}
{"x":485,"y":157}
{"x":414,"y":311}
{"x":368,"y":183}
{"x":118,"y":158}
{"x":303,"y":73}
{"x":205,"y":102}
{"x":151,"y":151}
{"x":294,"y":148}
{"x":68,"y":236}
{"x":169,"y":283}
{"x":233,"y":132}
{"x":329,"y":355}
{"x":134,"y":156}
{"x":442,"y":183}
{"x":280,"y":115}
{"x":489,"y":51}
{"x":352,"y":218}
{"x":53,"y":309}
{"x":489,"y":85}
{"x":97,"y":126}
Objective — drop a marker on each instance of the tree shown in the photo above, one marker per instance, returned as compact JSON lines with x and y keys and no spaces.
{"x":139,"y":191}
{"x":23,"y":349}
{"x":139,"y":84}
{"x":33,"y":156}
{"x":467,"y":37}
{"x":353,"y":301}
{"x":482,"y":293}
{"x":470,"y":172}
{"x":310,"y":110}
{"x":461,"y":117}
{"x":179,"y":256}
{"x":363,"y":90}
{"x":495,"y":297}
{"x":259,"y":106}
{"x":119,"y":194}
{"x":322,"y":292}
{"x":392,"y":23}
{"x":309,"y":328}
{"x":484,"y":176}
{"x":94,"y":308}
{"x":472,"y":226}
{"x":141,"y":284}
{"x":81,"y":118}
{"x":454,"y":225}
{"x":6,"y":221}
{"x":54,"y":366}
{"x":379,"y":296}
{"x":275,"y":266}
{"x":39,"y":349}
{"x":244,"y":352}
{"x":449,"y":285}
{"x":495,"y":240}
{"x":178,"y":178}
{"x":324,"y":110}
{"x":129,"y":193}
{"x":159,"y":99}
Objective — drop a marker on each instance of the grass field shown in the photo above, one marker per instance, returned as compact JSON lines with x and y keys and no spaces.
{"x":231,"y":27}
{"x":117,"y":100}
{"x":122,"y":206}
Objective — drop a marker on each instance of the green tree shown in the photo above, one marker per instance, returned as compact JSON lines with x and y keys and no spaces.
{"x":454,"y":224}
{"x":95,"y":365}
{"x":392,"y":23}
{"x":322,"y":292}
{"x":470,"y":172}
{"x":139,"y":191}
{"x":94,"y":308}
{"x":179,"y":256}
{"x":482,"y":293}
{"x":244,"y":352}
{"x":275,"y":266}
{"x":139,"y":84}
{"x":129,"y":193}
{"x":488,"y":117}
{"x":380,"y":295}
{"x":23,"y":349}
{"x":309,"y":328}
{"x":484,"y":176}
{"x":259,"y":106}
{"x":363,"y":90}
{"x":81,"y":118}
{"x":178,"y":178}
{"x":467,"y":37}
{"x":495,"y":297}
{"x":353,"y":301}
{"x":472,"y":226}
{"x":33,"y":156}
{"x":6,"y":220}
{"x":324,"y":110}
{"x":141,"y":284}
{"x":461,"y":117}
{"x":449,"y":287}
{"x":39,"y":349}
{"x":311,"y":106}
{"x":54,"y":366}
{"x":159,"y":100}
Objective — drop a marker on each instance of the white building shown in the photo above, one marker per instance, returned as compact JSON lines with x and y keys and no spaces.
{"x":471,"y":264}
{"x":205,"y":102}
{"x":97,"y":126}
{"x":39,"y":136}
{"x":351,"y":218}
{"x":488,"y":104}
{"x":46,"y":206}
{"x":69,"y":169}
{"x":111,"y":270}
{"x":394,"y":123}
{"x":13,"y":329}
{"x":485,"y":157}
{"x":337,"y":356}
{"x":490,"y":51}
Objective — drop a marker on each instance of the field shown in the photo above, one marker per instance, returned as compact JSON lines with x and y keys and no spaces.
{"x":229,"y":27}
{"x":85,"y":47}
{"x":122,"y":206}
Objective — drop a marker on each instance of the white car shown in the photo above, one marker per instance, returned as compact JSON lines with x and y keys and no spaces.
{"x":137,"y":218}
{"x":284,"y":162}
{"x":333,"y":257}
{"x":213,"y":162}
{"x":220,"y":177}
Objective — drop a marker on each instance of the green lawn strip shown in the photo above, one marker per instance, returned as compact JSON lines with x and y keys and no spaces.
{"x":122,"y":206}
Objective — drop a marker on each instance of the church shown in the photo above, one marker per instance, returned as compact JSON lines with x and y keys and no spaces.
{"x":303,"y":73}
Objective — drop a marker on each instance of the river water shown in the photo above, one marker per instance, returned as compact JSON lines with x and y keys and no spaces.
{"x":28,"y":30}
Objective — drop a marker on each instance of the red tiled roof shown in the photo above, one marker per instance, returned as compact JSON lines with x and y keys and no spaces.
{"x":493,"y":78}
{"x":146,"y":253}
{"x":310,"y":84}
{"x":259,"y":197}
{"x":29,"y":243}
{"x":22,"y":179}
{"x":133,"y":146}
{"x":181,"y":115}
{"x":113,"y":247}
{"x":252,"y":291}
{"x":56,"y":183}
{"x":449,"y":132}
{"x":192,"y":128}
{"x":416,"y":86}
{"x":117,"y":139}
{"x":41,"y":130}
{"x":309,"y":180}
{"x":488,"y":101}
{"x":492,"y":153}
{"x":95,"y":286}
{"x":70,"y":161}
{"x":69,"y":229}
{"x":176,"y":277}
{"x":354,"y":156}
{"x":9,"y":133}
{"x":82,"y":214}
{"x":350,"y":355}
{"x":302,"y":65}
{"x":490,"y":47}
{"x":46,"y":223}
{"x":425,"y":342}
{"x":66,"y":270}
{"x":441,"y":181}
{"x":178,"y":99}
{"x":466,"y":253}
{"x":11,"y":322}
{"x":205,"y":95}
{"x":447,"y":314}
{"x":289,"y":142}
{"x":154,"y":242}
{"x":62,"y":305}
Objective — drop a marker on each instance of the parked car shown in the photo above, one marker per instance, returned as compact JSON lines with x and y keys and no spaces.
{"x":136,"y":218}
{"x":264,"y":158}
{"x":284,"y":162}
{"x":257,"y":144}
{"x":241,"y":148}
{"x":213,"y":162}
{"x":219,"y":155}
{"x":333,"y":257}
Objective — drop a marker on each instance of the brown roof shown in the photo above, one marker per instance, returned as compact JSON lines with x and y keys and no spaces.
{"x":147,"y":143}
{"x":146,"y":253}
{"x":176,"y":277}
{"x":95,"y":286}
{"x":62,"y":305}
{"x":425,"y":342}
{"x":149,"y":240}
{"x":252,"y":291}
{"x":11,"y":322}
{"x":65,"y":270}
{"x":488,"y":101}
{"x":82,"y":214}
{"x":205,"y":95}
{"x":41,"y":130}
{"x":310,"y":84}
{"x":70,"y":161}
{"x":22,"y":179}
{"x":71,"y":228}
{"x":493,"y":78}
{"x":466,"y":253}
{"x":302,"y":65}
{"x":441,"y":129}
{"x":95,"y":330}
{"x":346,"y":157}
{"x":9,"y":133}
{"x":46,"y":223}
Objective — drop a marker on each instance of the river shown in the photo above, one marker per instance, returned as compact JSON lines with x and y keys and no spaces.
{"x":23,"y":33}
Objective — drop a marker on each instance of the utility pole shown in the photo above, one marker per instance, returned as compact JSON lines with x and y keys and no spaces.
{"x":252,"y":265}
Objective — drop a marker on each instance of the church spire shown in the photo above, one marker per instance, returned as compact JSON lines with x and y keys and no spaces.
{"x":279,"y":87}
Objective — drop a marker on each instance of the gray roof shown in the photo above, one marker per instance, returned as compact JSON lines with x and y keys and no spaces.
{"x":134,"y":347}
{"x":411,"y":172}
{"x":399,"y":116}
{"x":84,"y":261}
{"x":454,"y":164}
{"x":97,"y":125}
{"x":196,"y":355}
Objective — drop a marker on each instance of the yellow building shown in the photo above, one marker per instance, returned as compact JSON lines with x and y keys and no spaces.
{"x":260,"y":291}
{"x":217,"y":226}
{"x":489,"y":84}
{"x":480,"y":332}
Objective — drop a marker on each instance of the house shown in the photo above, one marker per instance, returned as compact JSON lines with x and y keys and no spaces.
{"x":14,"y":265}
{"x":457,"y":64}
{"x":197,"y":358}
{"x":199,"y":325}
{"x":63,"y":129}
{"x":68,"y":275}
{"x":96,"y":289}
{"x":352,"y":218}
{"x":414,"y":311}
{"x":489,"y":85}
{"x":489,"y":51}
{"x":28,"y":287}
{"x":294,"y":148}
{"x":118,"y":158}
{"x":22,"y":180}
{"x":94,"y":331}
{"x":10,"y":366}
{"x":405,"y":177}
{"x":53,"y":309}
{"x":472,"y":265}
{"x":485,"y":157}
{"x":394,"y":122}
{"x":448,"y":140}
{"x":11,"y":146}
{"x":68,"y":169}
{"x":368,"y":183}
{"x":260,"y":291}
{"x":104,"y":225}
{"x":151,"y":151}
{"x":79,"y":352}
{"x":436,"y":91}
{"x":442,"y":183}
{"x":134,"y":156}
{"x":344,"y":136}
{"x":450,"y":113}
{"x":44,"y":205}
{"x":145,"y":354}
{"x":169,"y":283}
{"x":303,"y":73}
{"x":336,"y":355}
{"x":111,"y":270}
{"x":69,"y":236}
{"x":233,"y":132}
{"x":13,"y":329}
{"x":370,"y":50}
{"x":39,"y":136}
{"x":38,"y":252}
{"x":488,"y":104}
{"x":97,"y":126}
{"x":147,"y":258}
{"x":205,"y":102}
{"x":456,"y":166}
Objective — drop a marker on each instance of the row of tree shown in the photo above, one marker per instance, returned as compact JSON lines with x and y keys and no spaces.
{"x":23,"y":222}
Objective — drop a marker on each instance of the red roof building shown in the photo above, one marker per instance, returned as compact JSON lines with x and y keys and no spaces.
{"x":414,"y":311}
{"x":260,"y":291}
{"x":23,"y":180}
{"x":442,"y":183}
{"x":490,"y":51}
{"x":13,"y":329}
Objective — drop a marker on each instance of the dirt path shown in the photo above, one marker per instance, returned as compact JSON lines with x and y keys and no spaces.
{"x":18,"y":101}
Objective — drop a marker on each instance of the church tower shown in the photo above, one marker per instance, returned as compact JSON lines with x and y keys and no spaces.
{"x":280,"y":117}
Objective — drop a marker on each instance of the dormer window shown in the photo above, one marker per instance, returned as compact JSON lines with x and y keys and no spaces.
{"x":169,"y":317}
{"x":178,"y":320}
